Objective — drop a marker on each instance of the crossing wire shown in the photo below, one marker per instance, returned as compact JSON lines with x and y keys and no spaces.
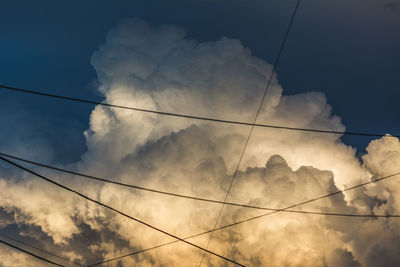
{"x":86,"y":176}
{"x":30,"y":253}
{"x":39,"y":249}
{"x":274,"y":67}
{"x":283,"y":210}
{"x":261,"y":216}
{"x":93,"y":102}
{"x":116,"y":211}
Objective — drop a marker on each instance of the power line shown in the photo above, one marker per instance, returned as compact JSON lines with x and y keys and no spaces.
{"x":93,"y":102}
{"x":277,"y":210}
{"x":187,"y":196}
{"x":30,"y":253}
{"x":39,"y":249}
{"x":309,"y":201}
{"x":269,"y":213}
{"x":255,"y":120}
{"x":115,"y":210}
{"x":207,"y":232}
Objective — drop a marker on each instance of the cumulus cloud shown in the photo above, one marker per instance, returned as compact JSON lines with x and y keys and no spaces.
{"x":157,"y":67}
{"x":11,"y":257}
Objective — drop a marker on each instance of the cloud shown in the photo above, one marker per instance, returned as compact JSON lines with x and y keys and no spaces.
{"x":11,"y":257}
{"x":159,"y":68}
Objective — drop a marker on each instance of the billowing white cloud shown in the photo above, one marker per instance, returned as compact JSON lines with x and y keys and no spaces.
{"x":159,"y":68}
{"x":11,"y":257}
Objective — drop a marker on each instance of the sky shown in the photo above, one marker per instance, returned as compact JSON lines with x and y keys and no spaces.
{"x":338,"y":71}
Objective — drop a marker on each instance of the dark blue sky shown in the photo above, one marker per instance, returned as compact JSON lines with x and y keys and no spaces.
{"x":350,"y":50}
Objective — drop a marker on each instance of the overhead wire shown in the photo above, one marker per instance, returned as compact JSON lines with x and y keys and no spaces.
{"x":188,"y":196}
{"x":115,"y":210}
{"x":274,"y":67}
{"x":305,"y":212}
{"x":39,"y":249}
{"x":31,"y":253}
{"x":93,"y":102}
{"x":254,"y":124}
{"x":261,"y":216}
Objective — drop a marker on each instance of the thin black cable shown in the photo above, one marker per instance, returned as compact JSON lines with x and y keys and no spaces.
{"x":115,"y":210}
{"x":234,"y":204}
{"x":39,"y":249}
{"x":255,"y":119}
{"x":184,"y":196}
{"x":279,"y":210}
{"x":30,"y":253}
{"x":309,"y":201}
{"x":93,"y":102}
